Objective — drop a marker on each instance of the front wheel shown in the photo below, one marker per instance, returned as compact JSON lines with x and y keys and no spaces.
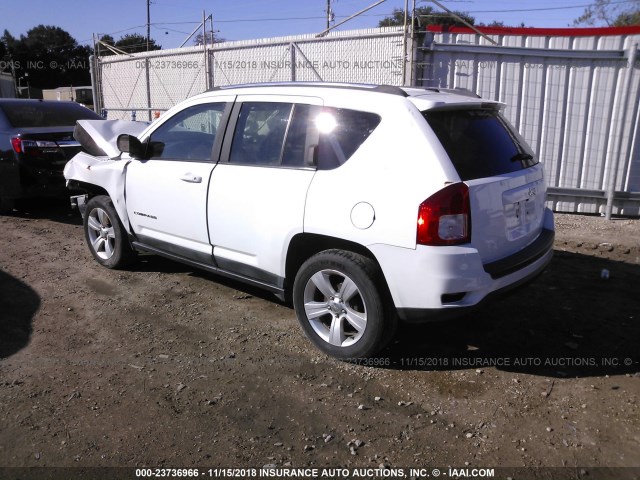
{"x":105,"y":235}
{"x":340,"y":305}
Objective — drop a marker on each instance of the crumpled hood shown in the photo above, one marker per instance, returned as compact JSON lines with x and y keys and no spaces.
{"x":99,"y":137}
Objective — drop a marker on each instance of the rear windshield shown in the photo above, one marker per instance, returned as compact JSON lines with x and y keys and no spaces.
{"x":480,"y":142}
{"x":46,"y":114}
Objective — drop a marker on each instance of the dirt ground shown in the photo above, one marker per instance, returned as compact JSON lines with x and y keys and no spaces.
{"x":165,"y":366}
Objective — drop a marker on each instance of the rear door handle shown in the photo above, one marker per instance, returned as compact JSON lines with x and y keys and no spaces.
{"x":191,"y":178}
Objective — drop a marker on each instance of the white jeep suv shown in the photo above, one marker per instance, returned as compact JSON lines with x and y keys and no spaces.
{"x":362,"y":204}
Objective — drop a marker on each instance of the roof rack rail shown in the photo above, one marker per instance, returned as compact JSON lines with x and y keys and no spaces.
{"x":390,"y":89}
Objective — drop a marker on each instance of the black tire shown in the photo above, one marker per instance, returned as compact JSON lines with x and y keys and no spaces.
{"x":353,"y":317}
{"x":106,"y":237}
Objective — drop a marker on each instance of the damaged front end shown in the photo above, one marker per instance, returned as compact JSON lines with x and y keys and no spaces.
{"x":98,"y":169}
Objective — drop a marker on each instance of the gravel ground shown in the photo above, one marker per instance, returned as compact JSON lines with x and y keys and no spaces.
{"x":164,"y":366}
{"x":619,"y":237}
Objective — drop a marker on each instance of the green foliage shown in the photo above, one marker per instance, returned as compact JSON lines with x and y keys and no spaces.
{"x":129,"y":43}
{"x":610,"y":13}
{"x":134,"y":43}
{"x":500,"y":24}
{"x":50,"y":56}
{"x":101,"y":50}
{"x":3,"y":50}
{"x":426,"y":16}
{"x":627,"y":18}
{"x":9,"y":42}
{"x":107,"y":39}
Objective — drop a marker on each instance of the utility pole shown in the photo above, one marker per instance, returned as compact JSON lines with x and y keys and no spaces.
{"x":328,"y":14}
{"x":146,"y":61}
{"x":148,"y":23}
{"x":204,"y":48}
{"x":322,"y":34}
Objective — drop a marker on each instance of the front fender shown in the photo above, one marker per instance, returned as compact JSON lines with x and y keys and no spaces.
{"x":103,"y":172}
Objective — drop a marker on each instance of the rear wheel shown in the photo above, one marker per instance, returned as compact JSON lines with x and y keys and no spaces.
{"x":341,"y":306}
{"x":105,"y":235}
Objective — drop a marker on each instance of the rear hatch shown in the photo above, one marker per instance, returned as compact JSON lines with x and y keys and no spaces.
{"x":505,"y":181}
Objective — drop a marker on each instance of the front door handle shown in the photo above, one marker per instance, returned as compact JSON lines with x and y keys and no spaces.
{"x":191,"y":178}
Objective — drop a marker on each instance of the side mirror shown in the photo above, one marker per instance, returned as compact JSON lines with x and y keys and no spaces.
{"x":131,"y":145}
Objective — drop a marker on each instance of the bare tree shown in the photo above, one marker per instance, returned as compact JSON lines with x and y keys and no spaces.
{"x":426,"y":16}
{"x":211,"y":38}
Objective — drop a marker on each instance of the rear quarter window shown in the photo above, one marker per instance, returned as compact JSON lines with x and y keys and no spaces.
{"x":351,"y":128}
{"x":480,"y":142}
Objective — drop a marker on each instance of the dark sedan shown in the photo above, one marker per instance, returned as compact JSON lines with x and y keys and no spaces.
{"x":36,"y":141}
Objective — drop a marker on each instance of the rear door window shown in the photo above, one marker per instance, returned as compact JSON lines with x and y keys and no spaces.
{"x":480,"y":142}
{"x":298,"y":135}
{"x":260,"y":133}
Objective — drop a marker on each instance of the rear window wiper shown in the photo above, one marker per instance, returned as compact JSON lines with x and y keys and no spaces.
{"x":521,"y":157}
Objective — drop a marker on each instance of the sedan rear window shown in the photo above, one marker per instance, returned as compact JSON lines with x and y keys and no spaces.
{"x":480,"y":142}
{"x":46,"y":114}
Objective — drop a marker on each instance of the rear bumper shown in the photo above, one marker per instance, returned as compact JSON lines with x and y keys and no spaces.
{"x":423,"y":315}
{"x":525,"y":257}
{"x":445,"y":281}
{"x":19,"y":181}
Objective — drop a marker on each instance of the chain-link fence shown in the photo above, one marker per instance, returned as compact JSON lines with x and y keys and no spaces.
{"x":142,"y":84}
{"x":370,"y":56}
{"x":136,"y":86}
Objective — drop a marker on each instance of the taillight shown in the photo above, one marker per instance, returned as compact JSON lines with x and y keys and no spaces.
{"x":34,"y":148}
{"x":445,"y":217}
{"x":16,"y":143}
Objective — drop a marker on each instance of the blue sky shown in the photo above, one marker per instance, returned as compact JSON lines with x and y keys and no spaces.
{"x":173,"y":20}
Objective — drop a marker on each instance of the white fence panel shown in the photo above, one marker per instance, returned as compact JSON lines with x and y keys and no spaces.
{"x":148,"y":82}
{"x":575,"y":100}
{"x":361,"y":56}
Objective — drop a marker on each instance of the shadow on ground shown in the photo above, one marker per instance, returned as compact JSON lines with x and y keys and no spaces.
{"x":18,"y":305}
{"x":56,"y":209}
{"x":148,"y":262}
{"x":569,"y":322}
